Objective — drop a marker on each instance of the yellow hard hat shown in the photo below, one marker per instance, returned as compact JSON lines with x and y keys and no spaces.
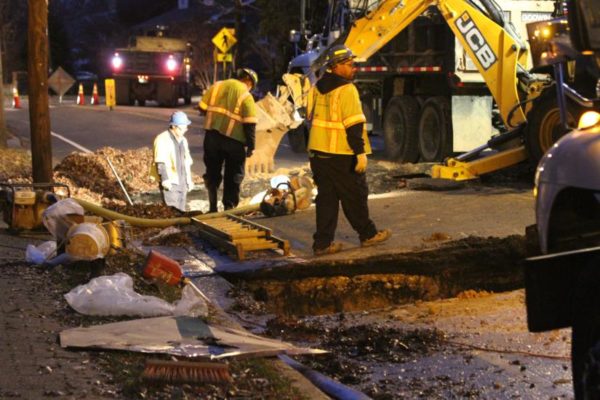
{"x":337,"y":54}
{"x":243,"y":72}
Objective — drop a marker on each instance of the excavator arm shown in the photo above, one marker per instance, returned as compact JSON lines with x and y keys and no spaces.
{"x":495,"y":49}
{"x":496,"y":52}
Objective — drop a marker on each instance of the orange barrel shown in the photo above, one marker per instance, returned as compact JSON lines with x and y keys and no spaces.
{"x":159,"y":266}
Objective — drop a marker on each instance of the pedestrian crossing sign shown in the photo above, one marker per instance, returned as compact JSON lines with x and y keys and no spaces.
{"x":224,"y":39}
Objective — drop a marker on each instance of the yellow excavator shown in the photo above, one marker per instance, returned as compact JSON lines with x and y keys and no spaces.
{"x":422,"y":102}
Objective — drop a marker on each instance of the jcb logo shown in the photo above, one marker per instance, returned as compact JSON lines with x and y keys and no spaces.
{"x":476,"y":41}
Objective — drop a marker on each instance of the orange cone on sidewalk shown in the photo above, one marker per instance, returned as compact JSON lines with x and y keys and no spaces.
{"x":80,"y":96}
{"x":16,"y":103}
{"x":95,"y":100}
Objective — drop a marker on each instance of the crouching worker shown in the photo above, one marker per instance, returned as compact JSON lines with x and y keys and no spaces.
{"x":172,"y":162}
{"x":229,"y":126}
{"x":338,"y":146}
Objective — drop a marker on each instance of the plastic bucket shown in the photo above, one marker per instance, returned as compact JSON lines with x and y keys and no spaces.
{"x":87,"y":241}
{"x":158,"y":266}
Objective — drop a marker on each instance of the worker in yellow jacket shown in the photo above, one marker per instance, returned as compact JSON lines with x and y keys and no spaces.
{"x":172,"y":162}
{"x":229,"y":125}
{"x":338,"y":146}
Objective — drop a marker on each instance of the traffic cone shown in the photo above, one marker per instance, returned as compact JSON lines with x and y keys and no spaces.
{"x":80,"y":97}
{"x":16,"y":103}
{"x":95,"y":100}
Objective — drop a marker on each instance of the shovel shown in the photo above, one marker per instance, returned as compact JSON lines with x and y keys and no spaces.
{"x":158,"y":266}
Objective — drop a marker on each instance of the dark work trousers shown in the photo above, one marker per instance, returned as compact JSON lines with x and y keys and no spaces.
{"x":337,"y":182}
{"x":218,"y":150}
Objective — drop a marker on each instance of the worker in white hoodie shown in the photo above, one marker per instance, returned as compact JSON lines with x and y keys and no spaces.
{"x":172,"y":162}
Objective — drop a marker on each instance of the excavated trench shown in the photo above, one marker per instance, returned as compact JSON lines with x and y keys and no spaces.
{"x":315,"y":288}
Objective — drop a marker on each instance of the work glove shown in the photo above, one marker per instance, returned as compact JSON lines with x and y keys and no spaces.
{"x":361,"y":163}
{"x":166,"y":184}
{"x":249,"y":151}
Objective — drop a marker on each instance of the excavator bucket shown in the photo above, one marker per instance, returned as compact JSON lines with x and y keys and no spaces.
{"x":275,"y":118}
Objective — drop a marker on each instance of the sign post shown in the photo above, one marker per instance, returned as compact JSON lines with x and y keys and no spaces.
{"x":60,"y":81}
{"x":224,"y":40}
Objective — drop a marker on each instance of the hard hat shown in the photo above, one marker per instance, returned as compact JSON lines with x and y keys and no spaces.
{"x":338,"y":54}
{"x":179,"y":118}
{"x":243,"y":72}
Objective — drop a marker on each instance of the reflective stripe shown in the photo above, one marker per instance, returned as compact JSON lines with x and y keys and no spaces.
{"x":250,"y":120}
{"x":236,"y":112}
{"x":213,"y":99}
{"x":321,"y":123}
{"x":203,"y":105}
{"x":335,"y":110}
{"x":354,"y":119}
{"x":225,"y":112}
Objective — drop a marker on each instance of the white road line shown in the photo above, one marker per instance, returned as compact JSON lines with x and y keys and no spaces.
{"x":72,"y":143}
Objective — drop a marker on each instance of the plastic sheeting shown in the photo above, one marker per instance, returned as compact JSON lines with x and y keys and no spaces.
{"x":179,"y":336}
{"x":114,"y":295}
{"x":56,"y":217}
{"x":39,"y":254}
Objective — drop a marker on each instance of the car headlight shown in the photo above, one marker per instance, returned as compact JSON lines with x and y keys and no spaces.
{"x":588,"y":119}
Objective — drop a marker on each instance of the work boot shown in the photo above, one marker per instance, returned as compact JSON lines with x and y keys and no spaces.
{"x":212,"y":200}
{"x":333,"y":248}
{"x":379,"y":237}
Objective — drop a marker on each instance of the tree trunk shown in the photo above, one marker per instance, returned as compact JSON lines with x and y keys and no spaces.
{"x":3,"y":131}
{"x":39,"y":112}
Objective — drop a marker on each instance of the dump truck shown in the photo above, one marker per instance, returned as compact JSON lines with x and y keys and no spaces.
{"x":562,"y":274}
{"x":153,"y":68}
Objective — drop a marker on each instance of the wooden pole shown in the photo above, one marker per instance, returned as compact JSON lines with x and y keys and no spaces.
{"x":37,"y":70}
{"x":239,"y":25}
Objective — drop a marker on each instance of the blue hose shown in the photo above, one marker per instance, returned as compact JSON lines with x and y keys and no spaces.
{"x":327,"y":385}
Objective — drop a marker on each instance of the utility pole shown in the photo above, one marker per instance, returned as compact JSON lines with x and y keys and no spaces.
{"x":37,"y":75}
{"x":239,"y":26}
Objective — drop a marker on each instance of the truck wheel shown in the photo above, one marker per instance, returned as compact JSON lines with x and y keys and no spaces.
{"x":400,"y":129}
{"x":435,"y":130}
{"x":123,"y":95}
{"x":297,"y":139}
{"x":166,"y":94}
{"x":585,"y":341}
{"x":543,"y":124}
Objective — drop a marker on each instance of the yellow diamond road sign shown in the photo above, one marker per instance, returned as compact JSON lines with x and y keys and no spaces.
{"x":60,"y":81}
{"x":224,"y":40}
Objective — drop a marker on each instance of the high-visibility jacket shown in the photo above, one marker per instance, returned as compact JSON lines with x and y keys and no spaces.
{"x":330,"y":114}
{"x":165,"y":152}
{"x":228,"y":105}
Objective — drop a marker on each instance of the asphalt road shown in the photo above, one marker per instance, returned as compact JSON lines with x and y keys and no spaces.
{"x":123,"y":128}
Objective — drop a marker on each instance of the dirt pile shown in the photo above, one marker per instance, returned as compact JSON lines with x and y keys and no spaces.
{"x":93,"y":171}
{"x":14,"y":164}
{"x":89,"y":176}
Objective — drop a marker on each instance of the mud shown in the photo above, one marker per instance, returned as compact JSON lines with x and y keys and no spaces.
{"x":455,"y":267}
{"x":473,"y":346}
